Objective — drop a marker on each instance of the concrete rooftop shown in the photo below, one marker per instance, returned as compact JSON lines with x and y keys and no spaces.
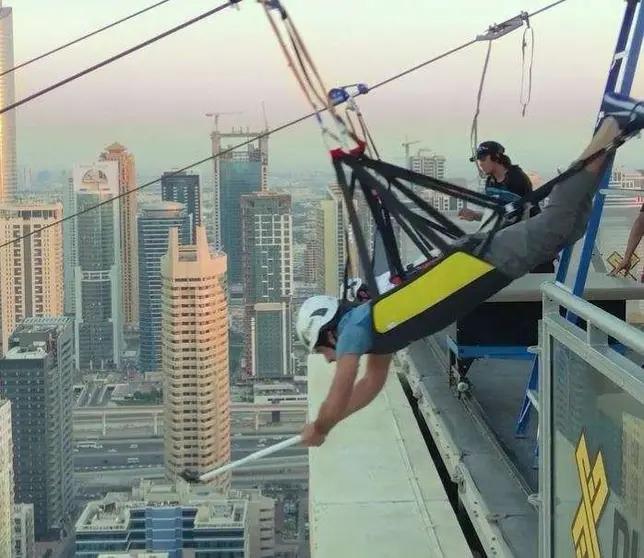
{"x":374,"y":489}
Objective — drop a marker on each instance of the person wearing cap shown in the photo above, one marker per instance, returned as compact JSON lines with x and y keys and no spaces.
{"x":342,"y":333}
{"x":506,"y":182}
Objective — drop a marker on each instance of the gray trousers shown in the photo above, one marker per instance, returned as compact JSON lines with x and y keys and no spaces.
{"x":519,"y":248}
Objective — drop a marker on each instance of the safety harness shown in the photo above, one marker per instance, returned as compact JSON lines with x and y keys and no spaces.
{"x":457,"y":278}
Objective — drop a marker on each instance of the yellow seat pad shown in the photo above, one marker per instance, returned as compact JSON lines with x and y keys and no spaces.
{"x":445,"y":279}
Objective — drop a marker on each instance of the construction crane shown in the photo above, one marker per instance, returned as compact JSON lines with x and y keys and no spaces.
{"x":264,"y":116}
{"x":406,"y":144}
{"x":216,"y":115}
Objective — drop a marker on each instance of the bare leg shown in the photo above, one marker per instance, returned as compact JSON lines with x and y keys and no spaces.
{"x":519,"y":248}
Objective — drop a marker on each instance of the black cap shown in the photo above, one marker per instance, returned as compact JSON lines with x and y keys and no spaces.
{"x":487,"y":148}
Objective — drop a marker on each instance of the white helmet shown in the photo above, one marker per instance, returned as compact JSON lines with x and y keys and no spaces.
{"x":315,"y":313}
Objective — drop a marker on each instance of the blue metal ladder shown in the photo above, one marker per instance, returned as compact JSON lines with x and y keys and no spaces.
{"x":626,"y":57}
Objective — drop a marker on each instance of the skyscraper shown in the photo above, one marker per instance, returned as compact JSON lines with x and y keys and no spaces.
{"x":331,"y":240}
{"x":6,"y":480}
{"x":431,"y":164}
{"x":267,"y":248}
{"x":154,"y":226}
{"x":32,"y":269}
{"x":194,"y":356}
{"x":428,"y":163}
{"x":127,"y":210}
{"x":94,"y":265}
{"x":183,"y":187}
{"x":8,"y":158}
{"x":36,"y":374}
{"x":237,"y":173}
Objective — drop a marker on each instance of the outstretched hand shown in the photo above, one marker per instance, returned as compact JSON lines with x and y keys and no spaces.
{"x":467,"y":214}
{"x":623,"y":266}
{"x":311,"y":436}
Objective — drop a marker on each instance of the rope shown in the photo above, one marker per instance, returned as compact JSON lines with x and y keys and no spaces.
{"x":116,"y":57}
{"x":83,"y":37}
{"x":525,"y":100}
{"x":474,"y":141}
{"x":280,"y":128}
{"x":308,"y":77}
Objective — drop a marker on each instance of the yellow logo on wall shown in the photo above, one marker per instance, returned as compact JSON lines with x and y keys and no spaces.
{"x":594,"y":495}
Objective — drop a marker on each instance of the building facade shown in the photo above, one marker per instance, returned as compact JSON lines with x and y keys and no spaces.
{"x":334,"y":240}
{"x":237,"y":173}
{"x":32,"y":269}
{"x":267,"y":248}
{"x":93,"y":265}
{"x":6,"y":480}
{"x":261,"y":519}
{"x":195,"y":358}
{"x":24,"y":543}
{"x":8,"y":156}
{"x":154,"y":224}
{"x":127,"y":226}
{"x":183,"y":187}
{"x":176,"y":519}
{"x":434,"y":165}
{"x":37,"y":374}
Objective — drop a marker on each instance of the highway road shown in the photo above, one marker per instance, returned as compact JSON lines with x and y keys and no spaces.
{"x":94,"y":394}
{"x":96,"y":484}
{"x":115,"y":453}
{"x":98,"y":394}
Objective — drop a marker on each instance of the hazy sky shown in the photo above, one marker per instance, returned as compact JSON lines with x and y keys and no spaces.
{"x":154,"y":101}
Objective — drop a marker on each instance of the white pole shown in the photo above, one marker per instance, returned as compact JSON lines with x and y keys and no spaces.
{"x":252,"y":457}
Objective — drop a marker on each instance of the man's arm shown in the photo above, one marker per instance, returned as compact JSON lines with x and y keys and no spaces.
{"x":470,"y":214}
{"x":635,"y":237}
{"x":335,"y":406}
{"x":370,"y":385}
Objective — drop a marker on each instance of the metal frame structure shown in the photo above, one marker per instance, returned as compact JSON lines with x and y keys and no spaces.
{"x":591,"y":345}
{"x":626,"y":58}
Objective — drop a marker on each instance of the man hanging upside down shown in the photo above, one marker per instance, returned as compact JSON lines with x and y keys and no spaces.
{"x":343,"y":333}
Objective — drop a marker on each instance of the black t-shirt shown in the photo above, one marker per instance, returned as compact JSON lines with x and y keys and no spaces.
{"x":515,"y":181}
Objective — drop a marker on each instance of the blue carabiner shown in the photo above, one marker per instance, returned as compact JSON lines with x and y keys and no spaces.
{"x":339,"y":95}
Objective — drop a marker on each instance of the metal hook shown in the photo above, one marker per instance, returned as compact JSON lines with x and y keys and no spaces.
{"x":497,"y":31}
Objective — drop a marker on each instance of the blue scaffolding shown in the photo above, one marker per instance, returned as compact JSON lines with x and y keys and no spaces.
{"x":620,"y":79}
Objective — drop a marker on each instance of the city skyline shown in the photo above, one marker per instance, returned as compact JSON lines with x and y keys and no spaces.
{"x":435,"y":104}
{"x":164,"y":305}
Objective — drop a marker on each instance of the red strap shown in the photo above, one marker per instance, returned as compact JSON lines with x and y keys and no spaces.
{"x":339,"y":153}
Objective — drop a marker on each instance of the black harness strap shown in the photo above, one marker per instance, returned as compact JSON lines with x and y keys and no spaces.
{"x":383,"y":224}
{"x":419,"y":241}
{"x":390,"y":200}
{"x":393,"y":171}
{"x":450,"y":228}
